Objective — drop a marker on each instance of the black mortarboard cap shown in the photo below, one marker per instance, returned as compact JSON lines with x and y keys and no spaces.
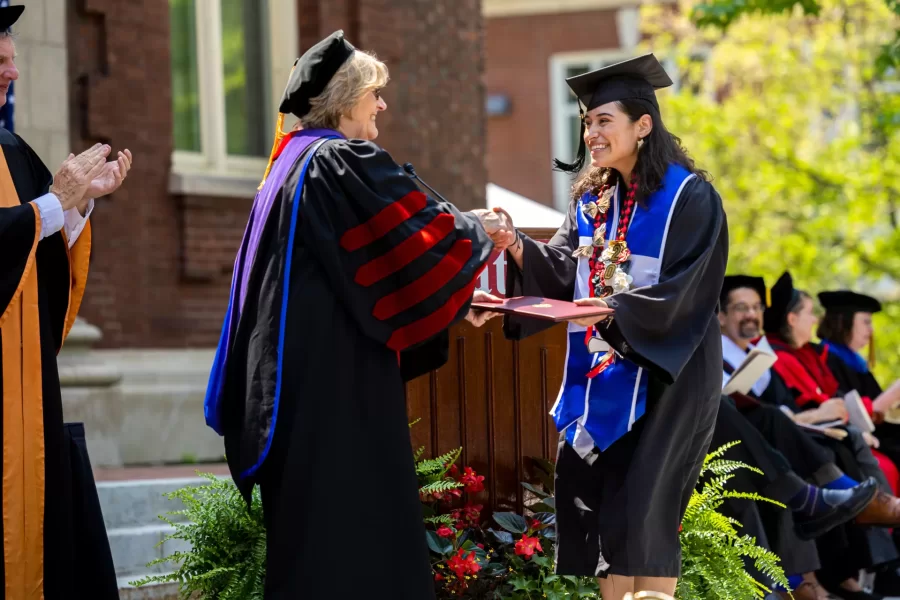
{"x":733,"y":282}
{"x":848,"y":302}
{"x":636,"y":78}
{"x":9,"y":15}
{"x":313,"y":71}
{"x":782,"y":298}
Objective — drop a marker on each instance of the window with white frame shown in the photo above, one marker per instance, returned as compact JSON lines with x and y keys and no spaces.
{"x":566,"y":127}
{"x":229,"y":62}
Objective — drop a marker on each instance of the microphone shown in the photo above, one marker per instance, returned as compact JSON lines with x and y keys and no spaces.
{"x":412,"y":173}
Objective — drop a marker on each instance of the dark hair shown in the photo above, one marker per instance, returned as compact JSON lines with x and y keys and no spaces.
{"x":660,"y":149}
{"x":836,"y":326}
{"x":793,"y":307}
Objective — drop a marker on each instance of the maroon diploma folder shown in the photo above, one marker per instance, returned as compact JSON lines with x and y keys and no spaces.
{"x":542,"y":308}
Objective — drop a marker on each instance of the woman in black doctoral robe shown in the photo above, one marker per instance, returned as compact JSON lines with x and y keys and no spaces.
{"x":646,"y":235}
{"x":845,"y":330}
{"x":346,"y":279}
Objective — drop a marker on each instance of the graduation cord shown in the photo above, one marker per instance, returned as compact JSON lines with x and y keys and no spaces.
{"x":605,"y":262}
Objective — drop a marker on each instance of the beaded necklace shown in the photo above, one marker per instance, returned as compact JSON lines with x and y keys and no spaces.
{"x":607,"y":276}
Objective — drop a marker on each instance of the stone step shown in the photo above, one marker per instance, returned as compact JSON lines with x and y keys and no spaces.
{"x":138,"y":503}
{"x":155,"y":591}
{"x":134,"y":547}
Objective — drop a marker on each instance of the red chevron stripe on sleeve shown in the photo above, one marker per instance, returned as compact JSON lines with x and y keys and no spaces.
{"x":427,"y":285}
{"x":431,"y":325}
{"x":407,"y":251}
{"x":387,"y":219}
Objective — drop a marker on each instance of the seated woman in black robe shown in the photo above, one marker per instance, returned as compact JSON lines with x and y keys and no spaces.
{"x":646,"y":235}
{"x":816,"y":396}
{"x":345,"y":283}
{"x":845,"y":330}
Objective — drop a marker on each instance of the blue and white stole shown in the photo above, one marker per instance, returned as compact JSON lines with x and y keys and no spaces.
{"x":599,"y":411}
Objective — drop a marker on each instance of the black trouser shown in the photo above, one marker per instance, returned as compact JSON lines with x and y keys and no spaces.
{"x":807,"y":458}
{"x":773,"y":527}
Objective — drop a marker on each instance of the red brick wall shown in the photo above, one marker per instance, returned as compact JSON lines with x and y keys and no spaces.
{"x":161,"y":264}
{"x":518,"y":52}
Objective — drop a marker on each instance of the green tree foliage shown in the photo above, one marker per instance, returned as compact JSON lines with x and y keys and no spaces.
{"x":724,"y":13}
{"x":799,"y":130}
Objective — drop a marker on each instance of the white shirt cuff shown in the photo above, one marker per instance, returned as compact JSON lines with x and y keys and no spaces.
{"x":52,"y":219}
{"x":75,"y":222}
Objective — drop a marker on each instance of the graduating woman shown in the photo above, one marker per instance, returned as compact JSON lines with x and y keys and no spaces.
{"x":645,"y":235}
{"x":344,"y":283}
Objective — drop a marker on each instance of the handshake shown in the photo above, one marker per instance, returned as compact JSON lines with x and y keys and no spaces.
{"x":499,"y":226}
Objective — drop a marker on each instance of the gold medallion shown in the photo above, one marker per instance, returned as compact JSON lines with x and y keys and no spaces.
{"x":583,"y":252}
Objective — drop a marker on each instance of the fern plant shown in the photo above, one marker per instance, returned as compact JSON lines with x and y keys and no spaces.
{"x":227,"y":559}
{"x":713,"y":553}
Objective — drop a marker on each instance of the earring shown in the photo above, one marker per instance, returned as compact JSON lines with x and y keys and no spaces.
{"x":640,"y":143}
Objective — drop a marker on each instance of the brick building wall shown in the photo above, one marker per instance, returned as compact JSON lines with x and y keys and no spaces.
{"x":161,"y":263}
{"x":518,"y":51}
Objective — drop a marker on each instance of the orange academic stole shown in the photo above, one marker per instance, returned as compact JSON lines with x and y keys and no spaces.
{"x":23,"y":410}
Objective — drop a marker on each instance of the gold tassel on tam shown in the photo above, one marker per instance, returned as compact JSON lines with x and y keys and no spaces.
{"x":279,"y":135}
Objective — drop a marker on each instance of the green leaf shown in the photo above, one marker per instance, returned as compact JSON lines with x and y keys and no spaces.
{"x":547,"y":518}
{"x":511,"y":522}
{"x":437,"y":544}
{"x":502,"y":537}
{"x":547,"y":505}
{"x":539,"y":493}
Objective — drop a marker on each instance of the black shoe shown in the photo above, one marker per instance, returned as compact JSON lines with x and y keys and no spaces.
{"x":844,"y":505}
{"x":887,"y":583}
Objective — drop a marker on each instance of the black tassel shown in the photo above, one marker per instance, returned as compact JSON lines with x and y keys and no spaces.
{"x":578,"y":164}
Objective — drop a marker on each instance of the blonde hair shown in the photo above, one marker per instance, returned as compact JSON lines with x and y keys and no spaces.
{"x":356,"y":77}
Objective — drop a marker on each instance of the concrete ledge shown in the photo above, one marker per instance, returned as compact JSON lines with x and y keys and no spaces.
{"x":153,"y":416}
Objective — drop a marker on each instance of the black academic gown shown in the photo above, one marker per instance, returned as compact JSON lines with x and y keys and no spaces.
{"x":866,"y":385}
{"x":773,"y":527}
{"x":671,"y":329}
{"x":846,"y":548}
{"x":77,"y":562}
{"x":339,"y":489}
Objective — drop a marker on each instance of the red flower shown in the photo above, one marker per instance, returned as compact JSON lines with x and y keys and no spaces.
{"x":445,"y":532}
{"x":473,"y":512}
{"x":455,"y":492}
{"x":438,"y":577}
{"x":473,"y":482}
{"x":680,"y":527}
{"x":480,"y":546}
{"x":535,"y":524}
{"x":453,"y":471}
{"x":463,"y":565}
{"x":527,"y":546}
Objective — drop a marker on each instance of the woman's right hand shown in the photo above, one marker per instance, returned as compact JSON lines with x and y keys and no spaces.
{"x":590,"y":321}
{"x":833,"y":410}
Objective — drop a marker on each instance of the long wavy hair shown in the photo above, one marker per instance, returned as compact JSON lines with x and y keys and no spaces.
{"x":661,"y":148}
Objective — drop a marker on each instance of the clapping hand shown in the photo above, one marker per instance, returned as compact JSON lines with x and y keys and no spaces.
{"x":111,"y":177}
{"x":76,"y":174}
{"x":479,"y":317}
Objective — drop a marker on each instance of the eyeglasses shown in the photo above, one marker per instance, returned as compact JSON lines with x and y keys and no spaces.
{"x":743,"y":309}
